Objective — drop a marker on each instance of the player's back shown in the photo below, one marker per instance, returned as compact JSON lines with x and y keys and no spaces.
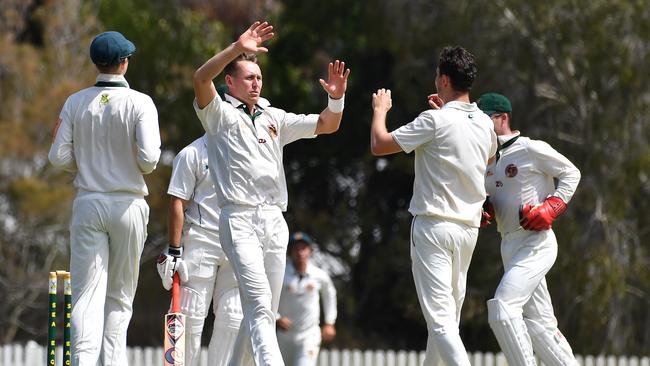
{"x":115,"y":138}
{"x":450,"y":166}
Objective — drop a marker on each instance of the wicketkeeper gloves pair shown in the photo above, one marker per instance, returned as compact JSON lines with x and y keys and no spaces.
{"x":170,"y":262}
{"x":541,"y":216}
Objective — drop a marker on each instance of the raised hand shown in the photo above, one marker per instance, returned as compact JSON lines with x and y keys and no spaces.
{"x":254,"y":36}
{"x":337,"y":79}
{"x":382,"y":101}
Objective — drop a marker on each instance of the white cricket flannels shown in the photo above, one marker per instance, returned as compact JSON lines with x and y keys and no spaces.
{"x":191,"y":181}
{"x":247,"y":149}
{"x":452,"y":146}
{"x":103,"y":122}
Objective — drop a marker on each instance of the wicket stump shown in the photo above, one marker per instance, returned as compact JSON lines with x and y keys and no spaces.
{"x":67,"y":310}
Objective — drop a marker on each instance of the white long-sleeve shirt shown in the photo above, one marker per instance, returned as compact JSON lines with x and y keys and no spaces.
{"x":452,"y":146}
{"x":524,"y":174}
{"x":109,"y":136}
{"x":191,"y":181}
{"x":301,"y":297}
{"x":246,"y":152}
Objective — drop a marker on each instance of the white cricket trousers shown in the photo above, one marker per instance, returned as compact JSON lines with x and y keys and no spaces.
{"x":211,"y":278}
{"x":524,"y":299}
{"x":255,"y":240}
{"x":441,"y":252}
{"x":107,"y":235}
{"x":300,"y":348}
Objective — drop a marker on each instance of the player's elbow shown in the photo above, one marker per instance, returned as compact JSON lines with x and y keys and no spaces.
{"x":147,"y":162}
{"x":62,"y":161}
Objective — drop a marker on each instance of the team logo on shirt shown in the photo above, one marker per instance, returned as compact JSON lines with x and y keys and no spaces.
{"x":261,"y":141}
{"x":273,"y":131}
{"x":511,"y":170}
{"x":104,"y":99}
{"x":498,"y":184}
{"x":489,"y":173}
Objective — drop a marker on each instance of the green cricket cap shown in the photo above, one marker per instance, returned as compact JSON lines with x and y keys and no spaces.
{"x":110,"y":48}
{"x":300,"y":237}
{"x":491,"y":103}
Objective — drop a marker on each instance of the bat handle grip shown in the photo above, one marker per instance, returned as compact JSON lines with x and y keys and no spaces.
{"x":176,"y":294}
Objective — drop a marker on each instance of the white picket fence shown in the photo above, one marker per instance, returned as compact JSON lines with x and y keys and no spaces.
{"x":33,"y":354}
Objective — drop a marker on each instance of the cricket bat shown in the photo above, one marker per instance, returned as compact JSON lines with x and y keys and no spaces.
{"x":174,"y":344}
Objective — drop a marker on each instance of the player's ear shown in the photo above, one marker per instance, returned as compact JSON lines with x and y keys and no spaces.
{"x":228,"y":80}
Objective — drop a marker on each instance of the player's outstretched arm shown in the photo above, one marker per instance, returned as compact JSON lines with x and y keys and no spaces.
{"x":335,"y":87}
{"x":249,"y":42}
{"x":381,"y":142}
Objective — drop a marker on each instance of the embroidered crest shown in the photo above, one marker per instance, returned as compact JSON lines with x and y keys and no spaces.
{"x":498,"y":183}
{"x":261,"y":141}
{"x":511,"y":170}
{"x":104,"y":99}
{"x":489,"y":173}
{"x":273,"y":131}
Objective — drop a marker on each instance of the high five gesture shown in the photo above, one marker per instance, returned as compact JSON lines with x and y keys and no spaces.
{"x":254,"y":36}
{"x":337,"y":79}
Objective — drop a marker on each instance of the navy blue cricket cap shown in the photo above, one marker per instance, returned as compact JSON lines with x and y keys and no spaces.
{"x":110,"y":48}
{"x":300,"y":237}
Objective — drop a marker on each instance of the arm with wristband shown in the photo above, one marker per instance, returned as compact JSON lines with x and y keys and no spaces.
{"x":337,"y":82}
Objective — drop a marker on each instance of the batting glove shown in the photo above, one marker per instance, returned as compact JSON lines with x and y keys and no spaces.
{"x":170,"y":262}
{"x":541,"y":217}
{"x":488,"y":213}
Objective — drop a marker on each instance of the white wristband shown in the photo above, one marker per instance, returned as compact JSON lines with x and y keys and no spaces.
{"x":335,"y":105}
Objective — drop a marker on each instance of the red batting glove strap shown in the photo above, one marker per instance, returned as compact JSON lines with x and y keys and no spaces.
{"x":541,"y":217}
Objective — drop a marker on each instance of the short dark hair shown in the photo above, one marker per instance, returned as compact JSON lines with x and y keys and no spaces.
{"x":231,"y":68}
{"x":458,"y":63}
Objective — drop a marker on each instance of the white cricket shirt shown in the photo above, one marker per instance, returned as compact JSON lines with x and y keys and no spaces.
{"x":191,"y":182}
{"x":109,"y":136}
{"x":300,"y":299}
{"x":452,"y":146}
{"x":524,"y":175}
{"x":245,"y":152}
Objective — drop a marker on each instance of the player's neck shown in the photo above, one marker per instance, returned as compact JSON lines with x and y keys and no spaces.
{"x":301,"y":267}
{"x":456,"y":96}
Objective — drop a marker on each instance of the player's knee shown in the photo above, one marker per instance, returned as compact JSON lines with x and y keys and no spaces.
{"x":228,"y":311}
{"x":498,"y":310}
{"x":193,"y":303}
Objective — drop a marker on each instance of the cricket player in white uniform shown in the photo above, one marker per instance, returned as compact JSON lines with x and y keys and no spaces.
{"x":452,"y":144}
{"x":245,"y":140}
{"x":108,"y":134}
{"x":305,"y":285}
{"x":196,"y":254}
{"x":520,"y":184}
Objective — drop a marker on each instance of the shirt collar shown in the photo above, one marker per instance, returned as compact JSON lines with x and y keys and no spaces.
{"x":505,"y":138}
{"x":261,"y":103}
{"x":112,"y":78}
{"x":467,"y":107}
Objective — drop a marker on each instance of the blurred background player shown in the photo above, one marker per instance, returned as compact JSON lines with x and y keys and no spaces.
{"x":520,"y":182}
{"x":109,"y":135}
{"x":305,"y":285}
{"x":195,"y":252}
{"x":246,"y":137}
{"x":452,"y":144}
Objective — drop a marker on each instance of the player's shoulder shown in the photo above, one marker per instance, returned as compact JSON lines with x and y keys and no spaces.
{"x":138,"y":96}
{"x":317,"y":271}
{"x":194,"y":149}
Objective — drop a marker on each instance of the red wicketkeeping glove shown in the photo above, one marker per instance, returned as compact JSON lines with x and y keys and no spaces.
{"x":488,"y":213}
{"x":541,"y":217}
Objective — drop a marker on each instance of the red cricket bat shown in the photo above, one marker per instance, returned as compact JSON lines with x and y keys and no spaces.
{"x":174,"y":345}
